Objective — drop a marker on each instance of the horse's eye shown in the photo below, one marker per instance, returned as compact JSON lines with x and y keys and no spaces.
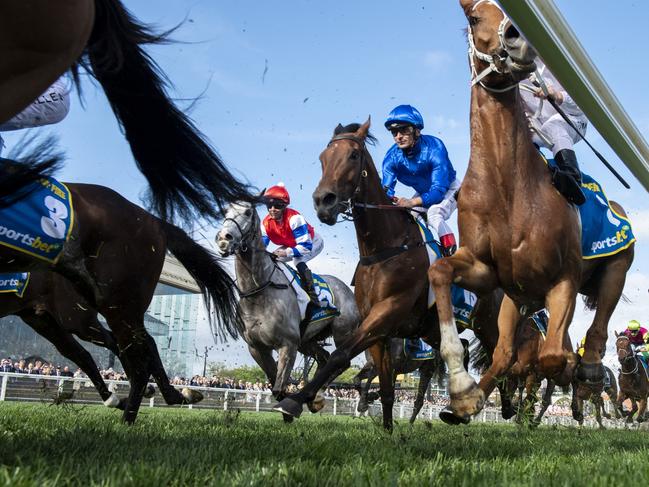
{"x":473,"y":21}
{"x":354,"y":155}
{"x":248,"y":212}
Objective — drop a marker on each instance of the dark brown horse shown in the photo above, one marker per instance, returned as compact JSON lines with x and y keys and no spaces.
{"x":114,"y":257}
{"x":51,"y":306}
{"x":391,"y":287}
{"x":41,"y":39}
{"x":633,"y":381}
{"x":516,"y":231}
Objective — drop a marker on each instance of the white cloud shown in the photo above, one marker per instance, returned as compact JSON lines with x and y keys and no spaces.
{"x":640,"y":223}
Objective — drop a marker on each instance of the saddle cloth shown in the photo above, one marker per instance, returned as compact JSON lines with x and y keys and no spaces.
{"x":417,"y":349}
{"x":14,"y":283}
{"x":325,"y":295}
{"x":40,"y":223}
{"x":540,"y":319}
{"x":463,"y":301}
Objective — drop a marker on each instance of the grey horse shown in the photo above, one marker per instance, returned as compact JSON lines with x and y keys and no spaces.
{"x":270,"y":315}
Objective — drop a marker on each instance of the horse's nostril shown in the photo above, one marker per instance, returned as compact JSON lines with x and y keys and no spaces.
{"x":329,"y":200}
{"x":512,"y":33}
{"x":228,"y":236}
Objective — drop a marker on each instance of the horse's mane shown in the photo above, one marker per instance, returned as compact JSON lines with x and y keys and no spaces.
{"x":353,"y":127}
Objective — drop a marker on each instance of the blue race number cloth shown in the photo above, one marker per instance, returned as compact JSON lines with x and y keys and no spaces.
{"x":14,"y":283}
{"x":417,"y":349}
{"x":40,"y":223}
{"x":325,"y":295}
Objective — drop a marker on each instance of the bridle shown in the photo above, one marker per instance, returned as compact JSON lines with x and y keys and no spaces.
{"x":476,"y":78}
{"x":627,"y":357}
{"x":242,"y":247}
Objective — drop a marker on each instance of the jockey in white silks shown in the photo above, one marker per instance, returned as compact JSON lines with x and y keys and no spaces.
{"x":49,"y":108}
{"x":297,"y":240}
{"x":421,"y":162}
{"x":551,"y":131}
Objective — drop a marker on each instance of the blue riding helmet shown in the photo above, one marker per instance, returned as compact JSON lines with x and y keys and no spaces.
{"x":404,"y":115}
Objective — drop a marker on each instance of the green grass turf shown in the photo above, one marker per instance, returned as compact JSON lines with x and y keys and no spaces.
{"x":75,"y":445}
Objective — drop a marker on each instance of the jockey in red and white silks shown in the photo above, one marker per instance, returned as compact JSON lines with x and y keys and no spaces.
{"x":297,"y":239}
{"x":49,"y":108}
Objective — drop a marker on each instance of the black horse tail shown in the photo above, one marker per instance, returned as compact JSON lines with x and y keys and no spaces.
{"x":186,"y":176}
{"x":216,"y":285}
{"x":30,"y":160}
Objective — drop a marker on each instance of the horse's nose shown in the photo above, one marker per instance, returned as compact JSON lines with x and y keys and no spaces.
{"x":325,"y":200}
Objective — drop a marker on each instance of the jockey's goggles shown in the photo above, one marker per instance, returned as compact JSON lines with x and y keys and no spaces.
{"x":278,"y":205}
{"x":402,"y":129}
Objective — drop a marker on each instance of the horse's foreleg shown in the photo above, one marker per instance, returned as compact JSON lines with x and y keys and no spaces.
{"x":642,"y":409}
{"x":560,"y":302}
{"x":467,"y":398}
{"x":383,"y":361}
{"x":285,"y":362}
{"x":313,"y":349}
{"x":425,"y":374}
{"x":503,"y":356}
{"x":368,"y":372}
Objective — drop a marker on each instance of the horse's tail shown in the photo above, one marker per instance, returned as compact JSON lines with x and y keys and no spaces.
{"x":479,"y":357}
{"x":29,"y":160}
{"x":216,"y":285}
{"x":185,"y":174}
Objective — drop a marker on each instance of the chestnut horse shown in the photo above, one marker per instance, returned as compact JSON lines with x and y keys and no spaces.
{"x":41,"y":39}
{"x":516,"y":231}
{"x":633,"y":381}
{"x":113,"y":258}
{"x":391,"y":286}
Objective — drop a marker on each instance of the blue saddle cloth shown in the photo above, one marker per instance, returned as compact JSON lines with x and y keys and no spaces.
{"x":40,"y":223}
{"x":603,"y":231}
{"x":417,"y":349}
{"x":463,"y":301}
{"x":325,"y":295}
{"x":14,"y":283}
{"x":540,"y":319}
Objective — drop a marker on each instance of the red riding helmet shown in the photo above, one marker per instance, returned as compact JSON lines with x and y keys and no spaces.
{"x":278,"y":193}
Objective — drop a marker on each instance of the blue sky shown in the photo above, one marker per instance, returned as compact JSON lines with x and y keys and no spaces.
{"x":340,"y":62}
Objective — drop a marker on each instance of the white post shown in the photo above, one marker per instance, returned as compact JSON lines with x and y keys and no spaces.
{"x":401,"y":411}
{"x":151,"y":401}
{"x":430,"y":413}
{"x":3,"y":389}
{"x":335,"y":405}
{"x":356,"y":413}
{"x":257,"y":402}
{"x":225,"y":401}
{"x":190,"y":406}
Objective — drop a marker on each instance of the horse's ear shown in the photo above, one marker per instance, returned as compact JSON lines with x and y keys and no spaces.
{"x":339,"y":128}
{"x":616,"y":335}
{"x":466,"y":5}
{"x":364,"y":129}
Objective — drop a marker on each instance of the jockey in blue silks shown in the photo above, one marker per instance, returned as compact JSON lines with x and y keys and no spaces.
{"x":421,"y":162}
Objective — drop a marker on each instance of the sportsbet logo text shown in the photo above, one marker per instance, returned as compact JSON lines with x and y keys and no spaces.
{"x":620,"y":237}
{"x":27,"y":239}
{"x":13,"y":282}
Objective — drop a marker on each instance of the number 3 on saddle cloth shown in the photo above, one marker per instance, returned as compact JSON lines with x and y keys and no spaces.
{"x":324,"y":292}
{"x":40,"y":223}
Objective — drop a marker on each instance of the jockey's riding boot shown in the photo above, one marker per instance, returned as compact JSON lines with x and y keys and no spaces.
{"x":447,"y":244}
{"x":307,"y":283}
{"x":566,"y":177}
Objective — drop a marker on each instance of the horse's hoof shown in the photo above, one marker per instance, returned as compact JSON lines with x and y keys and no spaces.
{"x":362,"y":407}
{"x":551,"y":365}
{"x":149,"y":391}
{"x":287,"y":418}
{"x":579,"y":417}
{"x":372,"y":396}
{"x":191,"y":396}
{"x":449,"y":417}
{"x":317,"y":404}
{"x":468,"y":402}
{"x":289,"y":406}
{"x":113,"y":401}
{"x":508,"y":413}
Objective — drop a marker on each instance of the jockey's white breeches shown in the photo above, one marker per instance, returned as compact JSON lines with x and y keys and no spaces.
{"x":561,"y":135}
{"x":438,"y":213}
{"x":316,"y":248}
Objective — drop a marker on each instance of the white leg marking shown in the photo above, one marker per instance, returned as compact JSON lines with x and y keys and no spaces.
{"x":453,"y":354}
{"x":112,"y":401}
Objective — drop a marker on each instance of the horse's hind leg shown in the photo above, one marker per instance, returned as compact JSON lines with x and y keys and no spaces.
{"x":598,"y":402}
{"x":642,"y":409}
{"x":425,"y":374}
{"x":313,"y":349}
{"x":367,"y":373}
{"x":285,"y":362}
{"x":546,"y":402}
{"x":46,"y":326}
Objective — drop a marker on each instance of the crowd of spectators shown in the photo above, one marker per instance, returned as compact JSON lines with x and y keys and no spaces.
{"x":222,"y":383}
{"x":37,"y":367}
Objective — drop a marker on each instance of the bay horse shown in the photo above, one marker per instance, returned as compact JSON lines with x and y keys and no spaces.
{"x":51,"y":306}
{"x":114,"y":257}
{"x":633,"y":381}
{"x":40,"y":40}
{"x":391,"y":286}
{"x":516,"y":231}
{"x":270,"y":315}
